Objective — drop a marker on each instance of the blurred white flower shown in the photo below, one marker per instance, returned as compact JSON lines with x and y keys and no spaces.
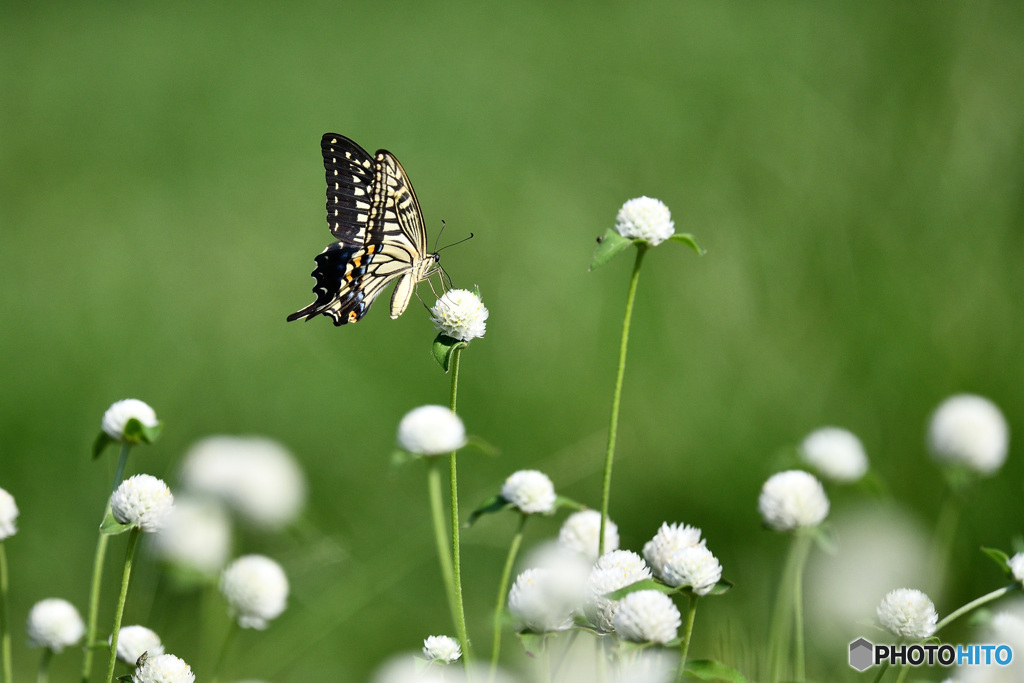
{"x":142,"y":500}
{"x":646,"y":219}
{"x":163,"y":669}
{"x":196,"y":535}
{"x":694,"y":566}
{"x":404,"y":668}
{"x":530,"y":491}
{"x":442,"y":649}
{"x":1017,"y":567}
{"x":256,"y":589}
{"x":537,"y":604}
{"x":836,"y":454}
{"x":54,"y":624}
{"x":8,"y":515}
{"x":580,"y":532}
{"x":132,"y":641}
{"x":460,"y":314}
{"x":256,"y":477}
{"x":791,"y":500}
{"x":431,"y":430}
{"x":647,"y":616}
{"x":567,"y":572}
{"x":908,"y":612}
{"x":614,"y":570}
{"x":117,"y":416}
{"x":971,"y":431}
{"x":669,"y":539}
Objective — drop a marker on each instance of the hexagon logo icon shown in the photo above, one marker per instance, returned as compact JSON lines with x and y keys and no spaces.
{"x":861,"y":654}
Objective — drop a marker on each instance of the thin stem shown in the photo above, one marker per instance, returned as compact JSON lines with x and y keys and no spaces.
{"x":440,"y":535}
{"x":122,"y":461}
{"x":229,"y":638}
{"x":942,"y":541}
{"x":5,"y":631}
{"x":133,"y":541}
{"x":785,"y":601}
{"x":460,"y":614}
{"x":903,"y":673}
{"x":798,"y":611}
{"x":613,"y":425}
{"x":973,"y":604}
{"x":687,"y":632}
{"x":499,"y":608}
{"x":881,"y":672}
{"x":44,"y":666}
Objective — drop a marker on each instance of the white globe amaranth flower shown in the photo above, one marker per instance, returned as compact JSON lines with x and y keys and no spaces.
{"x":694,"y":566}
{"x":255,"y":476}
{"x":460,"y":314}
{"x":142,"y":500}
{"x":196,"y":535}
{"x":256,"y":590}
{"x":613,"y":570}
{"x":645,"y":219}
{"x":132,"y":641}
{"x":442,"y":649}
{"x":669,"y":539}
{"x":431,"y":430}
{"x":566,"y":575}
{"x":8,"y":515}
{"x":1016,"y":564}
{"x":647,"y":616}
{"x":54,"y":624}
{"x":908,"y":612}
{"x":537,"y":603}
{"x":163,"y":669}
{"x":580,"y":532}
{"x":530,"y":491}
{"x":791,"y":500}
{"x":836,"y":453}
{"x":971,"y":431}
{"x":117,"y":416}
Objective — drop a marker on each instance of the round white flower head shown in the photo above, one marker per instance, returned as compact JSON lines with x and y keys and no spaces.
{"x":8,"y":515}
{"x":117,"y":416}
{"x":971,"y":431}
{"x":669,"y":539}
{"x":536,"y":603}
{"x":791,"y":500}
{"x":580,"y":532}
{"x":645,"y":219}
{"x":431,"y":430}
{"x":647,"y":617}
{"x":196,"y":535}
{"x":566,"y":579}
{"x":1017,"y":567}
{"x":142,"y":500}
{"x":256,"y":477}
{"x":908,"y":612}
{"x":163,"y":669}
{"x":54,"y":624}
{"x":441,"y":649}
{"x":695,"y":567}
{"x":835,"y":453}
{"x":460,"y":314}
{"x":530,"y":491}
{"x":256,"y":589}
{"x":132,"y":641}
{"x":614,"y":570}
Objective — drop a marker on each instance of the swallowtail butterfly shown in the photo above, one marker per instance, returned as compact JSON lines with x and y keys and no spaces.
{"x":373,"y":212}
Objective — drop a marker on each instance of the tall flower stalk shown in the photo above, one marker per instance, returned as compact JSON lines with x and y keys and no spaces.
{"x":5,"y":627}
{"x":126,"y":573}
{"x":460,"y":612}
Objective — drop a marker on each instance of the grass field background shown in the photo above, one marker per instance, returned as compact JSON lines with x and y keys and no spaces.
{"x":854,"y":170}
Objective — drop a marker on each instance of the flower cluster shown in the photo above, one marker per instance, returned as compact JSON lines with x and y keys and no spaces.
{"x":460,"y":314}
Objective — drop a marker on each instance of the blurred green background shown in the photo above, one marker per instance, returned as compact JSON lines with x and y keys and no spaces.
{"x":854,"y":170}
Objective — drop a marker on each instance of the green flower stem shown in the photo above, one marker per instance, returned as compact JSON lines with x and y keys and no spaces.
{"x":5,"y":630}
{"x":903,"y":673}
{"x":460,"y":614}
{"x":691,"y":613}
{"x":97,"y":571}
{"x":133,"y":542}
{"x":881,"y":672}
{"x":229,"y":639}
{"x":974,"y":604}
{"x":44,"y":666}
{"x":499,"y":609}
{"x":788,"y":601}
{"x":613,"y":425}
{"x":942,"y":541}
{"x":441,"y":536}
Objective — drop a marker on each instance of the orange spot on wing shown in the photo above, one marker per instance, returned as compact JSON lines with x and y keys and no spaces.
{"x":352,"y":317}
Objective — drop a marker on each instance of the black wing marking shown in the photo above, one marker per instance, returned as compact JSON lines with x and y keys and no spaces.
{"x":350,"y":175}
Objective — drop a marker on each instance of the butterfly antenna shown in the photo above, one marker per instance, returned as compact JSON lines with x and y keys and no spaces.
{"x":438,"y":238}
{"x":454,"y":243}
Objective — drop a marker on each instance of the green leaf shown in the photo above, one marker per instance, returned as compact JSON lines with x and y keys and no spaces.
{"x":533,"y":643}
{"x":642,"y":585}
{"x":100,"y":444}
{"x":710,"y":670}
{"x":827,"y":538}
{"x":564,"y":502}
{"x":488,"y":507}
{"x":609,"y":245}
{"x":482,"y":446}
{"x":136,"y":432}
{"x":688,"y":239}
{"x":722,"y":587}
{"x":112,"y":527}
{"x":1000,"y":558}
{"x":443,"y":348}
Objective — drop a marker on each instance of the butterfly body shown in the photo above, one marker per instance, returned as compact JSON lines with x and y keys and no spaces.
{"x":373,"y":213}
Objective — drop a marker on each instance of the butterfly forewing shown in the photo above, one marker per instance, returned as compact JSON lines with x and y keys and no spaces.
{"x":373,"y":212}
